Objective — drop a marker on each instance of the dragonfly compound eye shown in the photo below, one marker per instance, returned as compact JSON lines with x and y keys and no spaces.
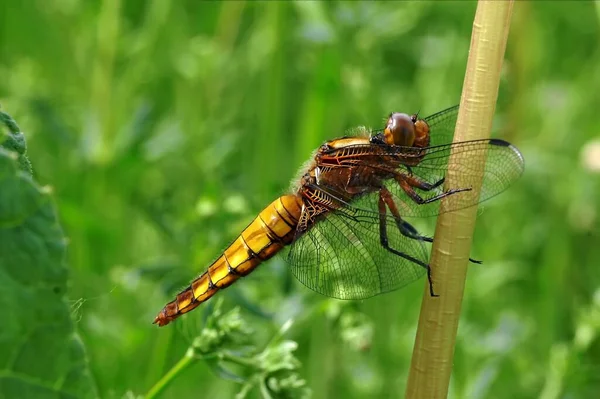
{"x":421,"y":134}
{"x":400,"y":130}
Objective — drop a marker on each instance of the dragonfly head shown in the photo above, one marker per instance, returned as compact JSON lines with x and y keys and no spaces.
{"x":399,"y":130}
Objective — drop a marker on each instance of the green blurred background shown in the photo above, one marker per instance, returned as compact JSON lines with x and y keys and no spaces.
{"x":163,"y":127}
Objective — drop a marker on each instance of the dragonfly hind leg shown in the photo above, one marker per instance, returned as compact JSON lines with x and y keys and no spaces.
{"x":384,"y":238}
{"x":405,"y":228}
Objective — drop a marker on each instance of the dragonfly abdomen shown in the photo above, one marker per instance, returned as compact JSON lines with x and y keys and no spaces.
{"x":270,"y":231}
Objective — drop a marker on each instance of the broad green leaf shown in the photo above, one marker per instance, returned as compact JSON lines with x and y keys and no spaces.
{"x":41,"y":356}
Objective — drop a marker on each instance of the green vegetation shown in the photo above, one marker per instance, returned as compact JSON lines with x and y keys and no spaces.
{"x":163,"y":127}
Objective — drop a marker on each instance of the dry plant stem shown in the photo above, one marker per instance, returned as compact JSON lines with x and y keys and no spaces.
{"x":438,"y":323}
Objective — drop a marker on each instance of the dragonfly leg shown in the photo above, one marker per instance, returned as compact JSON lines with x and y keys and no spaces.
{"x":405,"y":184}
{"x":421,"y":184}
{"x":383,"y":238}
{"x":405,"y":228}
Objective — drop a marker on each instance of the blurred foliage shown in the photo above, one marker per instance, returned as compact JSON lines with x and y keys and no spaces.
{"x":223,"y":342}
{"x":163,"y":127}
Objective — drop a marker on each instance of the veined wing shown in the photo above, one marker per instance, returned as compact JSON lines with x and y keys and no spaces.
{"x":441,"y":126}
{"x":504,"y":164}
{"x":341,"y":256}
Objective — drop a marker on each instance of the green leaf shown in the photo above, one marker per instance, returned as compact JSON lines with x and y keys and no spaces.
{"x":41,"y":356}
{"x":14,"y":140}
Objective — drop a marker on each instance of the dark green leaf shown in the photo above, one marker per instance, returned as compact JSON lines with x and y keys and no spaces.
{"x":41,"y":356}
{"x":14,"y":140}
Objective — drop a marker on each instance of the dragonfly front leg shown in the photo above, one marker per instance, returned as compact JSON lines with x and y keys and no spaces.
{"x":384,"y":238}
{"x":409,"y":183}
{"x":421,"y":184}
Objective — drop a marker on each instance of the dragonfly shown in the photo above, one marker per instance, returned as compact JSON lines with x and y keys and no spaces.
{"x":341,"y":228}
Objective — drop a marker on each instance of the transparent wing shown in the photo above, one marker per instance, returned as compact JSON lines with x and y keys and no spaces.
{"x":428,"y":169}
{"x":441,"y":126}
{"x":341,"y":256}
{"x":504,"y":164}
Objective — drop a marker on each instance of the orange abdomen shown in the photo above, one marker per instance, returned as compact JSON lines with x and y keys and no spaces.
{"x":270,"y":231}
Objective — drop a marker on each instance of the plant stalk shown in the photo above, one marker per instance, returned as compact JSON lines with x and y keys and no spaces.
{"x":181,"y":365}
{"x":431,"y":364}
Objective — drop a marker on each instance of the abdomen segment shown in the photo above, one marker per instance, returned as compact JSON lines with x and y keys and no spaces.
{"x":270,"y":231}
